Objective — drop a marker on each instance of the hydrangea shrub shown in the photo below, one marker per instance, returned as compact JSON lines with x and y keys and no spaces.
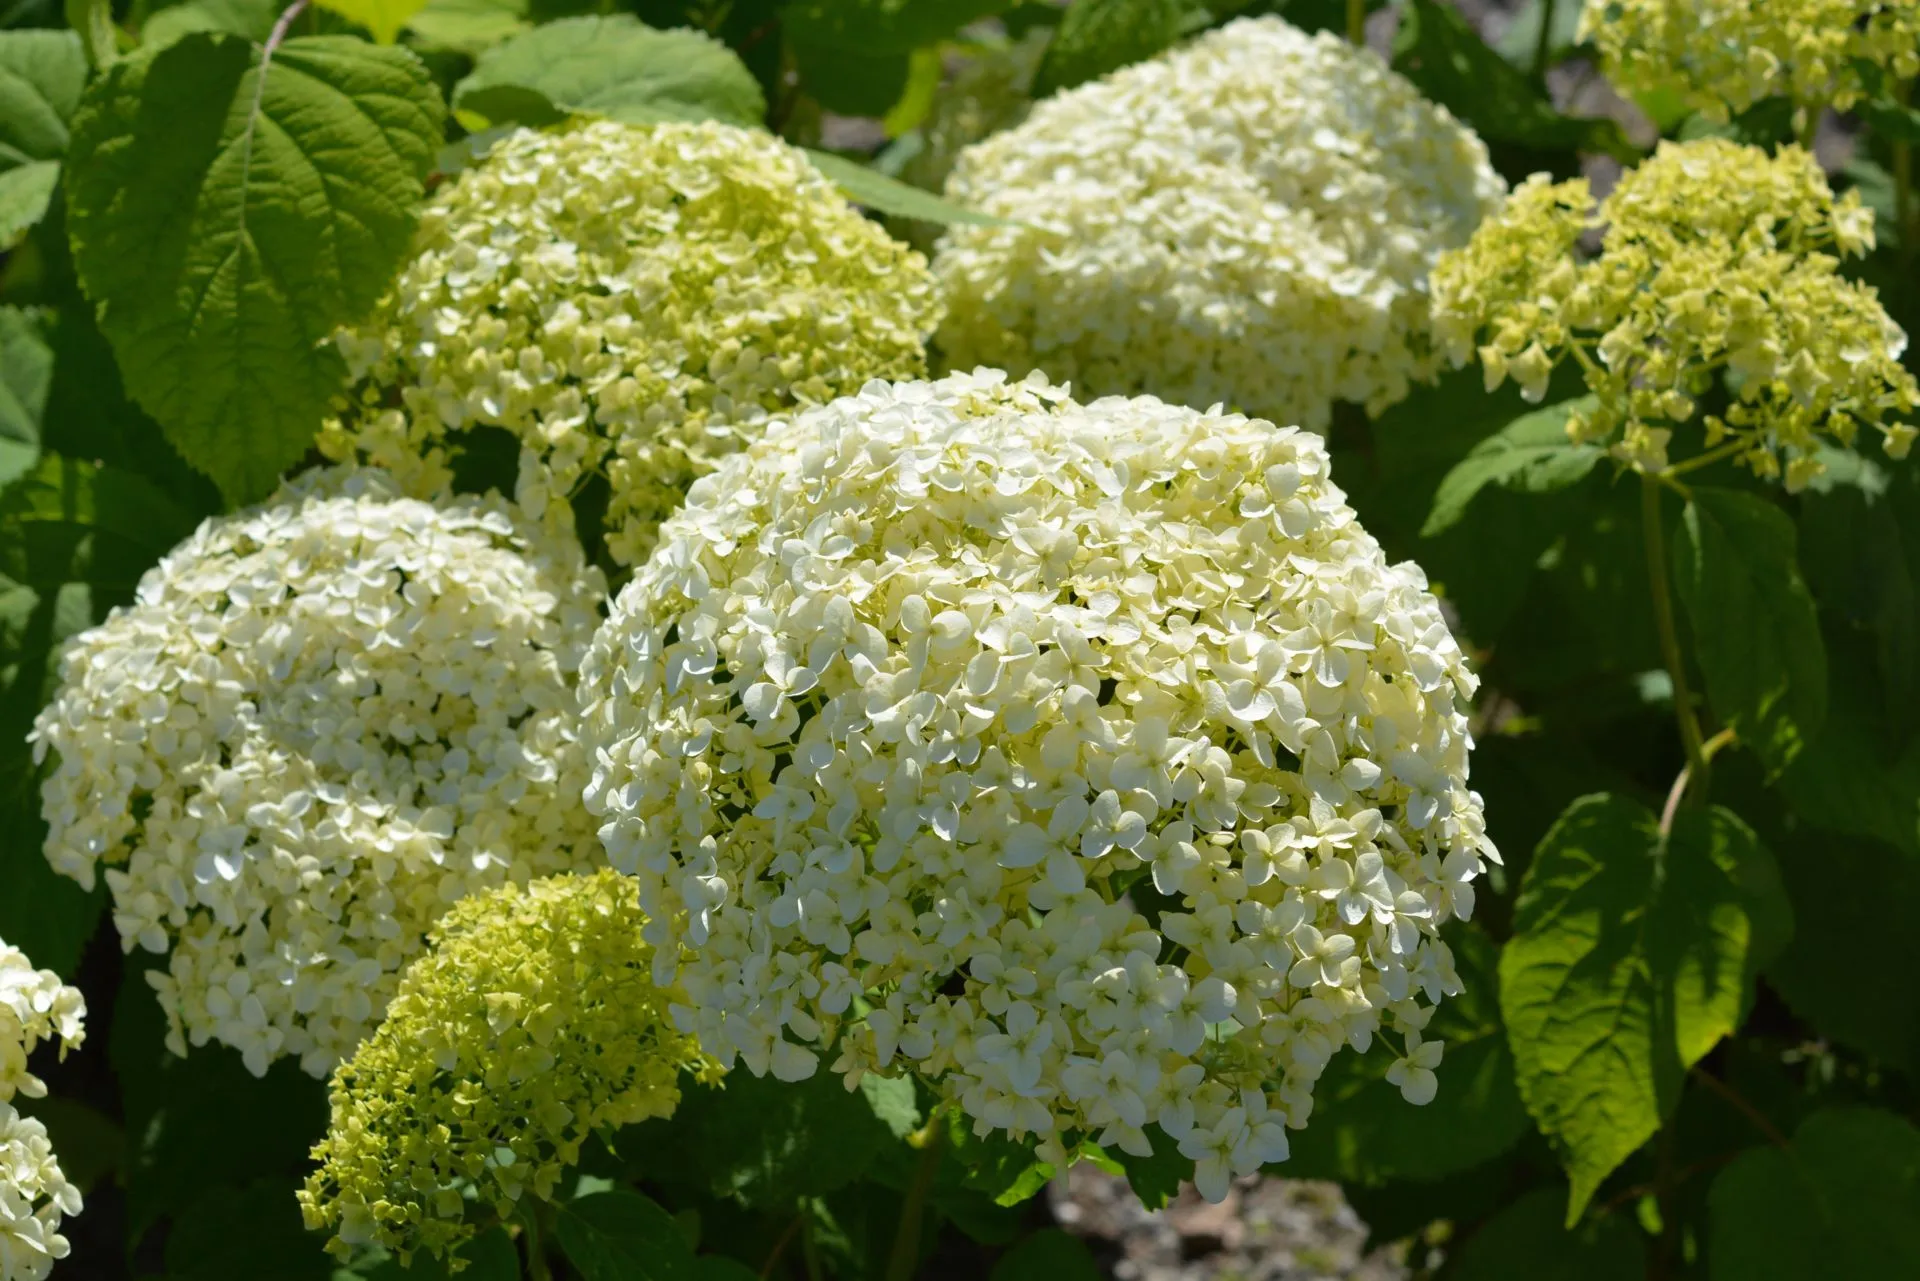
{"x":628,"y":299}
{"x":530,"y":1023}
{"x":1248,"y":220}
{"x":920,"y":695}
{"x":323,"y":721}
{"x":35,"y":1008}
{"x":1717,"y":262}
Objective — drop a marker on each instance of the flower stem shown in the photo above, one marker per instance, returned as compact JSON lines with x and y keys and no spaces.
{"x":1357,"y":23}
{"x":1690,"y":736}
{"x":538,"y":1269}
{"x":906,"y":1240}
{"x":1903,"y":185}
{"x":1543,"y":43}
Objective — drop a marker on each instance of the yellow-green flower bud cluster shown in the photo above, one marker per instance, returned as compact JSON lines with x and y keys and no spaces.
{"x":1716,"y":261}
{"x":1723,"y":56}
{"x":914,"y":690}
{"x":632,"y":298}
{"x":322,"y":721}
{"x":1248,"y":220}
{"x":530,"y":1023}
{"x":35,"y":1007}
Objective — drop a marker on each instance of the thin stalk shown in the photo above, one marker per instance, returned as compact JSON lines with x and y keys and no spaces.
{"x":1543,"y":44}
{"x":1679,"y":788}
{"x":906,"y":1239}
{"x":1903,"y":186}
{"x":1357,"y":23}
{"x":1740,"y":1105}
{"x":1690,"y":736}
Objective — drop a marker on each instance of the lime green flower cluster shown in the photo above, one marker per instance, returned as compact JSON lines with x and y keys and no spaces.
{"x":1726,"y":55}
{"x":636,"y":299}
{"x":1716,"y":260}
{"x":533,"y":1022}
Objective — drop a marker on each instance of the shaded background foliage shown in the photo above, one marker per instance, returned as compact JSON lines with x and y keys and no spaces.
{"x":1735,"y":1094}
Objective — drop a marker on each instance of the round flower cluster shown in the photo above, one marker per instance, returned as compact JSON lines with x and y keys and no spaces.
{"x":1715,"y":259}
{"x":1724,"y":56}
{"x":1248,"y":220}
{"x":1089,"y":761}
{"x":322,"y":721}
{"x":626,"y":298}
{"x":532,"y":1022}
{"x":34,"y":1195}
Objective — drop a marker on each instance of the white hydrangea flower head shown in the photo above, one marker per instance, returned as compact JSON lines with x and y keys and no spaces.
{"x":322,"y":721}
{"x":35,"y":1007}
{"x":1246,"y":220}
{"x":632,"y":299}
{"x":1089,"y":761}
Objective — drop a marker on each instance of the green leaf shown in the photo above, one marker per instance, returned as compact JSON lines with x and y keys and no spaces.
{"x":1155,"y":1179}
{"x":881,"y":26}
{"x":1842,"y":1200}
{"x":42,"y":74}
{"x":468,"y":26}
{"x":26,"y":374}
{"x":25,"y":192}
{"x":1007,"y":1171}
{"x":1755,"y":632}
{"x":383,"y":18}
{"x":1047,"y":1255}
{"x":616,"y":67}
{"x":1861,"y":773}
{"x":1854,"y":554}
{"x":90,"y":1145}
{"x":227,"y":217}
{"x":254,"y":1232}
{"x":491,"y":1256}
{"x":1363,"y":1131}
{"x":623,"y":1236}
{"x":893,"y":1103}
{"x":253,"y":19}
{"x":1631,"y":956}
{"x":853,"y":82}
{"x":1098,"y":36}
{"x":1441,"y":53}
{"x":763,"y":1142}
{"x":1529,"y":455}
{"x":1818,"y":975}
{"x":93,"y":21}
{"x":886,"y":195}
{"x":1527,"y":1240}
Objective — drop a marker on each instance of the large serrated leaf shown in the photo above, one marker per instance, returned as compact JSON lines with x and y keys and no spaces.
{"x":42,"y":74}
{"x":26,"y":372}
{"x":623,"y":1236}
{"x":228,"y":213}
{"x":1531,"y":455}
{"x":619,"y":68}
{"x":1631,"y":957}
{"x":1842,"y":1200}
{"x":1755,"y":631}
